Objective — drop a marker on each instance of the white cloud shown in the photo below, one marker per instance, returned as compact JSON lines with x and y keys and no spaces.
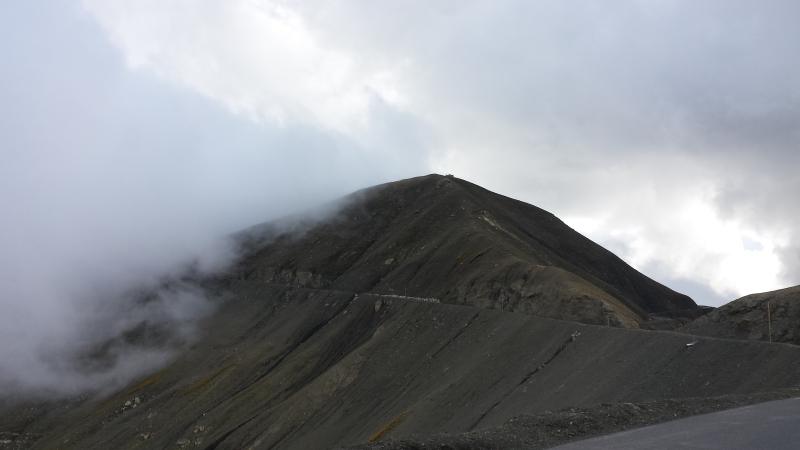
{"x":259,"y":58}
{"x":113,"y":178}
{"x":653,"y":124}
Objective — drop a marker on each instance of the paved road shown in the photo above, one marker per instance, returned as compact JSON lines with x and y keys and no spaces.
{"x":771,"y":425}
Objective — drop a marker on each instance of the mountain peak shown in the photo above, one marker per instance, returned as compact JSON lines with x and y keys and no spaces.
{"x":437,"y":236}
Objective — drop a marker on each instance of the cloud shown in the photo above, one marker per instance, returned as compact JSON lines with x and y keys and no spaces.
{"x":115,"y":178}
{"x":257,"y":58}
{"x":100,"y":342}
{"x":670,"y":123}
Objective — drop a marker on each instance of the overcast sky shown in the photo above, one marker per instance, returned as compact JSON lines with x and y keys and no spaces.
{"x":136,"y":133}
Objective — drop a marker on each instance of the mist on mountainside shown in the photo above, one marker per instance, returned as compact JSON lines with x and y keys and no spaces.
{"x":115,"y":187}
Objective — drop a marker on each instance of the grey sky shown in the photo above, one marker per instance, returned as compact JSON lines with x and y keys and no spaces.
{"x":136,"y":134}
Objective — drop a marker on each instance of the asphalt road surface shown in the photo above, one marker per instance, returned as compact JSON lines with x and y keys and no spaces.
{"x":769,"y":426}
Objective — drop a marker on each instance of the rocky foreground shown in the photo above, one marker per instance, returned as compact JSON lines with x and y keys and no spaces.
{"x":553,"y":428}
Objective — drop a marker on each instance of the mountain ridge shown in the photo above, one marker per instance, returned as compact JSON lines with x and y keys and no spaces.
{"x":396,"y":317}
{"x":448,"y":228}
{"x":767,"y":316}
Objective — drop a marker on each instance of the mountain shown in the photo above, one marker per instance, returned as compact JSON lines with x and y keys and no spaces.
{"x":445,"y":238}
{"x":416,"y":309}
{"x":751,"y":317}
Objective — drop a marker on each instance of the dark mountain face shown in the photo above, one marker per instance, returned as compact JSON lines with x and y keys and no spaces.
{"x":766,"y":316}
{"x":448,"y":239}
{"x":414,"y":311}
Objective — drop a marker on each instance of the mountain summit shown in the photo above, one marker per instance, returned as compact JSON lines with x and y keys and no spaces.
{"x":444,"y":238}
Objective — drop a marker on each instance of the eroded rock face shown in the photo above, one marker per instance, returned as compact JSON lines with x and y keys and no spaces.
{"x":749,"y":318}
{"x":289,"y":277}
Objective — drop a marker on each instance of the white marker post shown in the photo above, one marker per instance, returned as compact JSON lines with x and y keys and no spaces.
{"x":769,"y":320}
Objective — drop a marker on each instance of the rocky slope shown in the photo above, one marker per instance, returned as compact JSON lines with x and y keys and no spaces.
{"x":287,"y":367}
{"x":446,"y":238}
{"x":554,"y":428}
{"x":417,"y":310}
{"x":747,"y":318}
